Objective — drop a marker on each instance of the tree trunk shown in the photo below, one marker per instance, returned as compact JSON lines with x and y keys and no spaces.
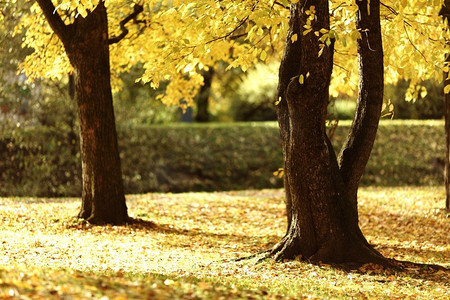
{"x":322,"y":215}
{"x":447,"y":139}
{"x":445,"y":13}
{"x":86,"y":45}
{"x":203,"y":96}
{"x":356,"y":150}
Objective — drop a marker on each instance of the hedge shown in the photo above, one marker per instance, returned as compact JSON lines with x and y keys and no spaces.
{"x":208,"y":157}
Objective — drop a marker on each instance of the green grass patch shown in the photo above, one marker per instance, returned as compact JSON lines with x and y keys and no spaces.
{"x":187,"y":245}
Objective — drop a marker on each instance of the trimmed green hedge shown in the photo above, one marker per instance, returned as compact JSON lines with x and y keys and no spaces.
{"x":208,"y":157}
{"x":406,"y":152}
{"x":200,"y":157}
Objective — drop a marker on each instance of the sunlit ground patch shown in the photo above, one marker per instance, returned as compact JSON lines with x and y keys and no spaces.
{"x":186,"y":244}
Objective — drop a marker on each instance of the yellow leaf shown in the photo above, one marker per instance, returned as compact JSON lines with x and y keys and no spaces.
{"x":278,"y":101}
{"x":423,"y":92}
{"x":301,"y":79}
{"x":279,"y":173}
{"x":447,"y":89}
{"x":294,"y":38}
{"x":263,"y":55}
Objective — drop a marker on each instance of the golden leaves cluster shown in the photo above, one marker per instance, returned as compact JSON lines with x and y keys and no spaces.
{"x":414,"y":43}
{"x":175,"y":40}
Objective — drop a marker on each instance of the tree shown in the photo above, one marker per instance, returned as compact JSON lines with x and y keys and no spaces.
{"x":13,"y":91}
{"x":321,"y":190}
{"x":203,"y":96}
{"x":445,"y":13}
{"x":86,"y":43}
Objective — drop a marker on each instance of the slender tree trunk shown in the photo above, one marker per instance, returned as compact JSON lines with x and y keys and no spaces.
{"x":86,"y":44}
{"x":356,"y":150}
{"x":320,"y":195}
{"x":447,"y":139}
{"x":203,"y":96}
{"x":72,"y":135}
{"x":445,"y":13}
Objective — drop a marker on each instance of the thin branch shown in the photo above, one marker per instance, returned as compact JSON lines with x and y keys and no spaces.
{"x":229,"y":34}
{"x":137,"y":10}
{"x":336,"y":8}
{"x":235,"y":37}
{"x":407,"y":22}
{"x":412,"y":44}
{"x":280,"y":4}
{"x":391,"y":9}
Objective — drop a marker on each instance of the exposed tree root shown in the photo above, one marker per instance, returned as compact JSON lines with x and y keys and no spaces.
{"x":352,"y":255}
{"x":412,"y":265}
{"x":266,"y":252}
{"x":99,"y":221}
{"x":356,"y":258}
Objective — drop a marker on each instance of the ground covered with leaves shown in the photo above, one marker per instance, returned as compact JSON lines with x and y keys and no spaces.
{"x":186,"y":244}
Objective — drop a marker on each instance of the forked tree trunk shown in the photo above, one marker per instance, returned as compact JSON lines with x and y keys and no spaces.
{"x":320,"y":193}
{"x":86,"y":44}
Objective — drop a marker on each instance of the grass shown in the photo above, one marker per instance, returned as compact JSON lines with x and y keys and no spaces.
{"x":187,"y":246}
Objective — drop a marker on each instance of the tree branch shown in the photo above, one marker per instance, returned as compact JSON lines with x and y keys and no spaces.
{"x":230,"y":34}
{"x":137,"y":10}
{"x":356,"y":150}
{"x":280,"y":4}
{"x":54,"y":19}
{"x":412,"y":44}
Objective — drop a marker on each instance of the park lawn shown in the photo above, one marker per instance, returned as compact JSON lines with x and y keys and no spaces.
{"x":186,"y":246}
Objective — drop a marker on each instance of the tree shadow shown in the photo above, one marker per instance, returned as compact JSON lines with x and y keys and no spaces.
{"x":411,"y":251}
{"x":406,"y":269}
{"x":139,"y":224}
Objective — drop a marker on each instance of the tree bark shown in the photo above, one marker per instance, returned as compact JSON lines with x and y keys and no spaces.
{"x":322,"y":213}
{"x":445,"y":13}
{"x":447,"y":139}
{"x":356,"y":150}
{"x":86,"y":45}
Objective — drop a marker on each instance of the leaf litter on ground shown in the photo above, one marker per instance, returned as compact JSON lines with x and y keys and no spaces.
{"x":186,"y":246}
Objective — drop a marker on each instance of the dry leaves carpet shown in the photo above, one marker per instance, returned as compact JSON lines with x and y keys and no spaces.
{"x":186,"y":245}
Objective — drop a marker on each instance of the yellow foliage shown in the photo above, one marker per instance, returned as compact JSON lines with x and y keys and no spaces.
{"x":175,"y":39}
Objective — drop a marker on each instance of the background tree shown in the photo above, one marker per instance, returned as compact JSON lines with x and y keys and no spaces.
{"x":16,"y":96}
{"x":202,"y":99}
